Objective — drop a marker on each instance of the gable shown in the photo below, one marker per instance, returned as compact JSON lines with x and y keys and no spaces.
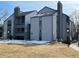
{"x":46,"y":10}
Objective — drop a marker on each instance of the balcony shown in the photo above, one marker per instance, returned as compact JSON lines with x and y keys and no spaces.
{"x":19,"y":26}
{"x":20,"y":21}
{"x":19,"y":34}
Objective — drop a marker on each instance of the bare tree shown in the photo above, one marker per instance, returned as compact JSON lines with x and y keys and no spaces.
{"x":3,"y":16}
{"x":75,"y":18}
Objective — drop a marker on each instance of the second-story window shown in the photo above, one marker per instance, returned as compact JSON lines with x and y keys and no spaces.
{"x":20,"y":30}
{"x":20,"y":20}
{"x":9,"y":23}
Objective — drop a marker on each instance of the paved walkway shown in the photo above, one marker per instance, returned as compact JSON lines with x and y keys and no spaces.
{"x":75,"y":46}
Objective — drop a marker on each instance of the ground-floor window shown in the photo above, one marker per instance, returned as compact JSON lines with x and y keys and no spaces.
{"x":19,"y":37}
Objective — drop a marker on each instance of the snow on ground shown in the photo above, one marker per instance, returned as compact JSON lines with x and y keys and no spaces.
{"x":75,"y":46}
{"x":24,"y":42}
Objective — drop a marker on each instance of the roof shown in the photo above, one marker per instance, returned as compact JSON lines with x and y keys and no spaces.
{"x":8,"y":17}
{"x":50,"y":9}
{"x":22,"y":14}
{"x":45,"y":12}
{"x":26,"y":13}
{"x":67,"y":18}
{"x":41,"y":15}
{"x":65,"y":15}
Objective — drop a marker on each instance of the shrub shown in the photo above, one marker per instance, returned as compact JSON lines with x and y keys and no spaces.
{"x":67,"y":41}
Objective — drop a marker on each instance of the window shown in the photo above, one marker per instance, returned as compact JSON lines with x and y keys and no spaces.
{"x":19,"y":37}
{"x":22,"y":29}
{"x":20,"y":20}
{"x":67,"y":23}
{"x":9,"y":23}
{"x":19,"y":30}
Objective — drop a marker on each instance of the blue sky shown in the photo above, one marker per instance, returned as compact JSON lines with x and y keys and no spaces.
{"x":68,"y":6}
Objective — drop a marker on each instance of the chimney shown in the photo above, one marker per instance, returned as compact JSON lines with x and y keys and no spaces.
{"x":59,"y":20}
{"x":59,"y":7}
{"x":16,"y":11}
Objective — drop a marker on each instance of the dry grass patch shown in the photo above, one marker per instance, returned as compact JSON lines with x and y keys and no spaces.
{"x":52,"y":50}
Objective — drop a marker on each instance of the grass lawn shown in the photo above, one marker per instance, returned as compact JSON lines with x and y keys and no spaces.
{"x":34,"y":51}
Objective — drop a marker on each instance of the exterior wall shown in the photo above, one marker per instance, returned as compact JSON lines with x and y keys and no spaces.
{"x":5,"y":30}
{"x":12,"y":23}
{"x":72,"y":30}
{"x":27,"y":21}
{"x":55,"y":26}
{"x":35,"y":28}
{"x":6,"y":26}
{"x":47,"y":28}
{"x":64,"y":27}
{"x":46,"y":10}
{"x":27,"y":17}
{"x":18,"y":26}
{"x":68,"y":27}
